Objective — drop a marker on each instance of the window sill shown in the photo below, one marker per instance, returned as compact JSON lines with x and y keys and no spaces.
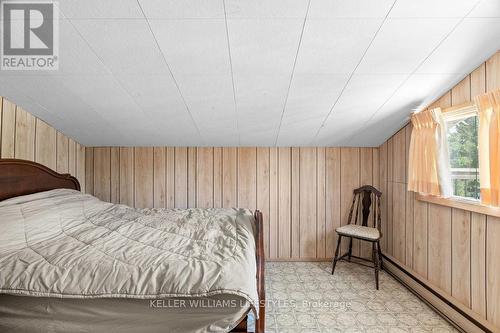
{"x":460,"y":204}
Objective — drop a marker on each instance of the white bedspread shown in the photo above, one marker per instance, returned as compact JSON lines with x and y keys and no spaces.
{"x":63,"y":243}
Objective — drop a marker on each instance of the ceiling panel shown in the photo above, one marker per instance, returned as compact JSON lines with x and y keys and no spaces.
{"x":260,"y":100}
{"x":366,"y":93}
{"x":360,"y":100}
{"x":188,"y":9}
{"x":211,"y":102}
{"x":417,"y":92}
{"x":125,"y":46}
{"x":263,"y":46}
{"x":312,"y":95}
{"x":486,"y":8}
{"x":339,"y":129}
{"x":100,"y":9}
{"x":193,"y":46}
{"x":334,"y":46}
{"x":298,"y":133}
{"x":450,"y":56}
{"x":309,"y":101}
{"x":61,"y":107}
{"x":153,"y":91}
{"x":100,"y":92}
{"x":402,"y":44}
{"x":432,"y":8}
{"x":349,"y":8}
{"x":261,"y":137}
{"x":266,"y":8}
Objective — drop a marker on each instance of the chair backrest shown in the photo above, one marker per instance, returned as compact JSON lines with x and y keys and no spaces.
{"x":363,"y":199}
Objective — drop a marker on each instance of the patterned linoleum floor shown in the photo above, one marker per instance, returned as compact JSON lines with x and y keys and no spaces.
{"x":305,"y":297}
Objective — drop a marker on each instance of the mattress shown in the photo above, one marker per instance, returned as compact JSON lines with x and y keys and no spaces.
{"x":65,"y":248}
{"x":22,"y":314}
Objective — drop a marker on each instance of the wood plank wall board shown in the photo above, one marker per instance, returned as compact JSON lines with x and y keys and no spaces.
{"x":478,"y":81}
{"x":460,"y":260}
{"x":263,"y":169}
{"x":126,"y":176}
{"x":45,"y":145}
{"x":247,"y":169}
{"x":191,"y":174}
{"x":143,"y":177}
{"x":102,"y":173}
{"x":332,"y":197}
{"x":410,"y":198}
{"x":24,"y":136}
{"x":274,"y":232}
{"x":284,"y":202}
{"x":229,"y":177}
{"x":170,"y":177}
{"x":299,"y":190}
{"x":8,"y":129}
{"x":493,"y":72}
{"x":399,"y":221}
{"x":115,"y":175}
{"x":389,"y":190}
{"x":218,"y":178}
{"x":408,"y":238}
{"x":420,"y":233}
{"x":71,"y":157}
{"x":89,"y":171}
{"x":62,"y":151}
{"x":295,"y":201}
{"x":159,"y":177}
{"x":461,"y":92}
{"x":383,"y":189}
{"x":307,"y":205}
{"x":399,"y":156}
{"x":181,"y":177}
{"x":452,"y":249}
{"x":205,"y":178}
{"x":478,"y":263}
{"x":493,"y":269}
{"x":321,"y":202}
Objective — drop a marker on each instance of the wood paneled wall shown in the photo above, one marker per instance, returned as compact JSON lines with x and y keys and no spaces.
{"x":455,"y":250}
{"x":26,"y":137}
{"x":304,"y":193}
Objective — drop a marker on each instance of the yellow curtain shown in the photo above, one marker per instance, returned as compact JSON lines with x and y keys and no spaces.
{"x":489,"y":147}
{"x":423,"y":159}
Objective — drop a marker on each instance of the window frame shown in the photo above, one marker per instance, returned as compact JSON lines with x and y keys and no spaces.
{"x":459,"y":112}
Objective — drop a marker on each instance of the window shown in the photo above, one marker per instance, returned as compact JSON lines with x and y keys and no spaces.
{"x":462,"y":135}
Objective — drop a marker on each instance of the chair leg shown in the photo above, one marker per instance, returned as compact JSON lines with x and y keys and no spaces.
{"x":380,"y":255}
{"x":335,"y":258}
{"x":350,"y":249}
{"x":376,"y":262}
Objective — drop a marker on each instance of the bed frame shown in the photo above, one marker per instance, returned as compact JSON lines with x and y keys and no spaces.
{"x":21,"y":177}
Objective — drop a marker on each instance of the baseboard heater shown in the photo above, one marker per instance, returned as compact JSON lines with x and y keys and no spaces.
{"x":457,"y":314}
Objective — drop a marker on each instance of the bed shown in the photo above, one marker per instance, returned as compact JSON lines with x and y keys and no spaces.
{"x":70,"y":262}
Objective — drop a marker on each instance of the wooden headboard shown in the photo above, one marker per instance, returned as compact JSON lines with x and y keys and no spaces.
{"x":21,"y":177}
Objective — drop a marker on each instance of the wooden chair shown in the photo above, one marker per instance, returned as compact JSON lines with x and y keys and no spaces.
{"x":362,"y":198}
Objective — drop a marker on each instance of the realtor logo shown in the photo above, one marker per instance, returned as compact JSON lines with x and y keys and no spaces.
{"x":29,"y":35}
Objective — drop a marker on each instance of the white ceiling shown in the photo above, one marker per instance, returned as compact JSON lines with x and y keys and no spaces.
{"x":261,"y":72}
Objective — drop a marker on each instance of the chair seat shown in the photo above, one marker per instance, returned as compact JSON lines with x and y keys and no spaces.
{"x":358,"y":231}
